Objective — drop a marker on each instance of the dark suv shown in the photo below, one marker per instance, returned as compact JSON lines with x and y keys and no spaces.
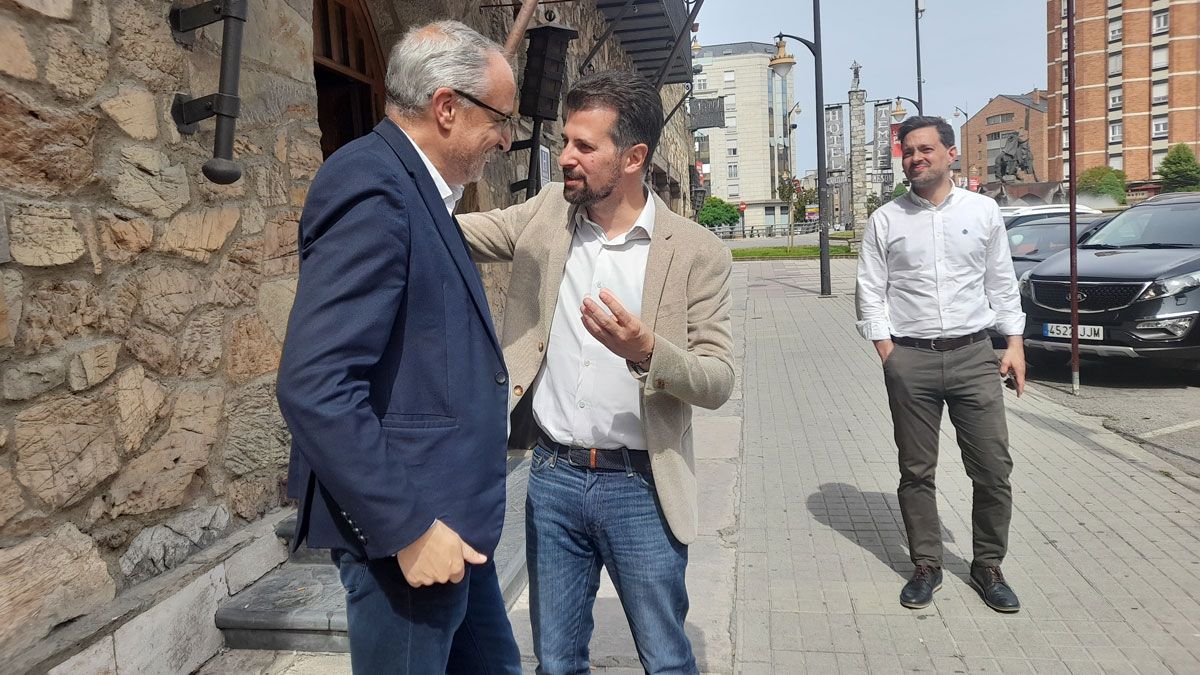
{"x":1139,"y":286}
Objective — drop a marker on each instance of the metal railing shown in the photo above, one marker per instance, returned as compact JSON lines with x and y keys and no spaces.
{"x":740,"y":232}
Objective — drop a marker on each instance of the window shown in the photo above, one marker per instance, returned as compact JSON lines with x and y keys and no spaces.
{"x":731,"y":170}
{"x":1116,"y":132}
{"x":734,"y":190}
{"x":1064,"y":7}
{"x":1066,"y":139}
{"x":730,"y":103}
{"x":995,"y":135}
{"x":1114,"y":3}
{"x":1116,"y":98}
{"x":1157,"y":158}
{"x":1115,"y":29}
{"x":730,"y":122}
{"x":1158,"y":92}
{"x":769,"y":214}
{"x":1117,"y":162}
{"x":1066,"y":73}
{"x":1161,"y":127}
{"x":1065,"y":107}
{"x":1001,"y":119}
{"x":1064,"y":40}
{"x":1115,"y":64}
{"x":1158,"y":58}
{"x":731,"y":147}
{"x":701,"y":82}
{"x":729,"y":78}
{"x":1161,"y":22}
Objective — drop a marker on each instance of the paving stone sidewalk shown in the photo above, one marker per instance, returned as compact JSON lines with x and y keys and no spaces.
{"x":802,"y":552}
{"x":1105,"y":539}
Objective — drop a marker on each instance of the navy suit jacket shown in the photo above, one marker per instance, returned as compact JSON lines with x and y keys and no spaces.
{"x":392,"y":381}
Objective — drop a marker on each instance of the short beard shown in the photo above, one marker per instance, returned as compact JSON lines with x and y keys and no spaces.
{"x":927,"y":179}
{"x":586,"y":195}
{"x":469,"y":166}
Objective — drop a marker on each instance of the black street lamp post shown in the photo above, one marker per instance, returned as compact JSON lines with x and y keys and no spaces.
{"x":782,"y":65}
{"x":918,"y":11}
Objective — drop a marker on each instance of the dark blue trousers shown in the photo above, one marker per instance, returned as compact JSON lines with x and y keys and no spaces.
{"x":446,"y":628}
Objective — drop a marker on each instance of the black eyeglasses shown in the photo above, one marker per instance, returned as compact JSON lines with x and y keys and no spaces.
{"x":509,"y":119}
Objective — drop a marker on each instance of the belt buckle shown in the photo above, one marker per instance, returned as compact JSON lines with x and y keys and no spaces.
{"x":592,"y":457}
{"x":933,"y":344}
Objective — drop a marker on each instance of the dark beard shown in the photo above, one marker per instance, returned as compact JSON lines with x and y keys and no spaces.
{"x":586,"y":195}
{"x":928,"y":178}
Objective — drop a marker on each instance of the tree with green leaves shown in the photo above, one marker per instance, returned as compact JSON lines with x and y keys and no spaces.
{"x":717,"y":211}
{"x":1179,"y":170}
{"x":1103,"y":181}
{"x":900,"y":189}
{"x":785,"y":190}
{"x":873,"y":202}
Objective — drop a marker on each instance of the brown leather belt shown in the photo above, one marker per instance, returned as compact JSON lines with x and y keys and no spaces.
{"x":600,"y":458}
{"x":942,"y":344}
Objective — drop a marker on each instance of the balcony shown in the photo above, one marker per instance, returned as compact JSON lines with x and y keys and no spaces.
{"x":647,"y":33}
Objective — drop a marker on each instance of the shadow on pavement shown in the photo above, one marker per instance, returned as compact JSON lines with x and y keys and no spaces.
{"x":840,"y":507}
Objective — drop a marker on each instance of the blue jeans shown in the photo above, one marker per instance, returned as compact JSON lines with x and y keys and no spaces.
{"x":577,"y":520}
{"x":446,"y":628}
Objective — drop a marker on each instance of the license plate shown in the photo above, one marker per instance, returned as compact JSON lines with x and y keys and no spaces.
{"x":1063,"y":330}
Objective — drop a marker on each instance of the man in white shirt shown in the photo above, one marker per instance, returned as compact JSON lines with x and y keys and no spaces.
{"x":934,"y":274}
{"x":616,"y":323}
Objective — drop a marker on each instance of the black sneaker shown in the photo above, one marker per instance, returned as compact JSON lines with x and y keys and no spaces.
{"x":918,"y":592}
{"x":994,"y":590}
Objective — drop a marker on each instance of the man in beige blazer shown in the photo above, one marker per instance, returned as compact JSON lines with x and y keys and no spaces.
{"x":616,"y":324}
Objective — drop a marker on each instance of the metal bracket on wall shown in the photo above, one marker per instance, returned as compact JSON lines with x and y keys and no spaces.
{"x":186,"y":111}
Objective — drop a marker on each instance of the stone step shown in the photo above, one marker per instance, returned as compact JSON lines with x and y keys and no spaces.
{"x":302,"y":605}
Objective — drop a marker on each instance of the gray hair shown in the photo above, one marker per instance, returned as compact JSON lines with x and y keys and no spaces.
{"x":439,"y":54}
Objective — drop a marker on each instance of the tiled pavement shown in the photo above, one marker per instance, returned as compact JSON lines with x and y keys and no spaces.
{"x":1105,"y":541}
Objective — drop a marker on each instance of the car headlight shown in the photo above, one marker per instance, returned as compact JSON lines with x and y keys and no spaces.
{"x":1172,"y":328}
{"x":1166,"y":287}
{"x":1023,"y":284}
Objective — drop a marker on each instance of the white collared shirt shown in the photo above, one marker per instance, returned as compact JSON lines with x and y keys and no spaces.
{"x":584,"y":395}
{"x":930,"y":271}
{"x":449,"y":194}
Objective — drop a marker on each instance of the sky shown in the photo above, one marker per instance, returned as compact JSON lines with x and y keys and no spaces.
{"x":970,"y":51}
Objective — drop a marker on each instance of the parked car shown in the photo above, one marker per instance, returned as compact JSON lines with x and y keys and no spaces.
{"x":1036,"y":240}
{"x":1015,"y":217}
{"x":1139,"y":287}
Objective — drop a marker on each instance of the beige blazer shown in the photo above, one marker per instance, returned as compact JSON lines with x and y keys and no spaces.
{"x":685,"y":301}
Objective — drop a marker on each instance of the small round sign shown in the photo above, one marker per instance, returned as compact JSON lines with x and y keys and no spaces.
{"x":741,"y":206}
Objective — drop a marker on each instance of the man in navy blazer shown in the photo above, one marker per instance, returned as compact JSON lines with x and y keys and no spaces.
{"x":392,"y":380}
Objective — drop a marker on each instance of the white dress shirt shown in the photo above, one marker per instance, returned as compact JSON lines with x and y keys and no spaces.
{"x":584,"y":395}
{"x":930,"y":271}
{"x":449,"y":194}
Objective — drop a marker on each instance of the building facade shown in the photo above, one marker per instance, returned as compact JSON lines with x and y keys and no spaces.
{"x":982,"y":138}
{"x":744,"y":161}
{"x":144,"y":307}
{"x":1137,"y":88}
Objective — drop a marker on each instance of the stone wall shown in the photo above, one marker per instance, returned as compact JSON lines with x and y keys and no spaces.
{"x":143,"y":307}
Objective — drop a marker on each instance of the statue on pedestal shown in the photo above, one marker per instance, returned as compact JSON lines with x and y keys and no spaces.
{"x":1015,"y":158}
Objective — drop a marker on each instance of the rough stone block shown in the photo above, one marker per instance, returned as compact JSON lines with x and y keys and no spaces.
{"x":26,"y":380}
{"x":12,"y":287}
{"x":46,"y":151}
{"x":160,"y":478}
{"x":177,"y":635}
{"x":200,"y":347}
{"x":15,"y":59}
{"x":76,"y":66}
{"x":11,"y":502}
{"x":47,"y":580}
{"x":275,"y":300}
{"x":93,"y":365}
{"x":157,"y":351}
{"x":65,"y":447}
{"x":56,"y":311}
{"x":55,"y":9}
{"x":237,"y":280}
{"x":167,"y":295}
{"x":134,"y":112}
{"x":44,"y":236}
{"x":144,"y":45}
{"x":162,"y":547}
{"x":258,"y":440}
{"x":139,"y":399}
{"x":197,"y":234}
{"x":123,"y":238}
{"x":148,"y":182}
{"x":251,"y":349}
